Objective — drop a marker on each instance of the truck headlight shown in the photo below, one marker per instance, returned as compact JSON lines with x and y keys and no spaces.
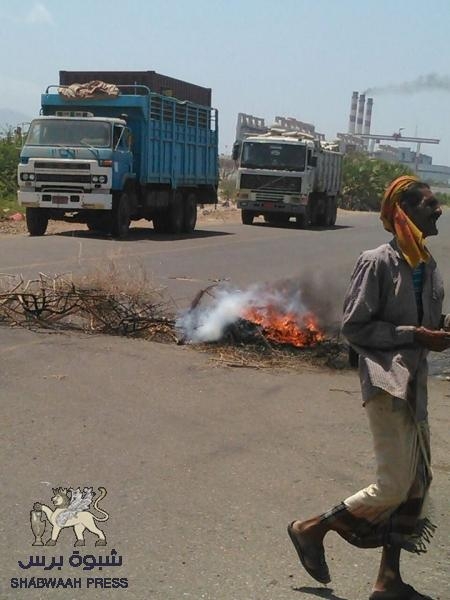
{"x":102,"y":179}
{"x":94,"y":178}
{"x":24,"y":176}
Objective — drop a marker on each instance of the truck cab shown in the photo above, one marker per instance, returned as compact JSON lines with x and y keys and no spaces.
{"x":275,"y":176}
{"x":72,"y":163}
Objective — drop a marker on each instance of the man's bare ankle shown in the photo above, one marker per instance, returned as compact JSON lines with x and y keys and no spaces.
{"x":309,"y":529}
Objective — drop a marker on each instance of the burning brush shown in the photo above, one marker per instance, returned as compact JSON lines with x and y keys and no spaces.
{"x":296,"y":330}
{"x":258,"y":314}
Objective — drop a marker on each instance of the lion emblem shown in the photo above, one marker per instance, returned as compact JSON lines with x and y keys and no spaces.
{"x":71,"y":510}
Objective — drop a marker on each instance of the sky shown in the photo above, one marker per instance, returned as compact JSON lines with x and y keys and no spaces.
{"x":293,"y":58}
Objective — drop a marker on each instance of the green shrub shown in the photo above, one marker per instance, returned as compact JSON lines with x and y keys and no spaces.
{"x":365,"y":179}
{"x":9,"y":159}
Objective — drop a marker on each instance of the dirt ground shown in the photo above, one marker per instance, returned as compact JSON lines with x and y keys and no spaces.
{"x":219,"y":213}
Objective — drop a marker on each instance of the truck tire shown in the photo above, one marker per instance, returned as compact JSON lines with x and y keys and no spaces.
{"x":37,"y":220}
{"x":190,"y":213}
{"x":333,"y":212}
{"x":175,"y":217}
{"x":276,"y":219}
{"x":99,"y":224}
{"x":323,"y":216}
{"x":303,"y":221}
{"x":120,"y":216}
{"x":247,"y":217}
{"x":160,"y":222}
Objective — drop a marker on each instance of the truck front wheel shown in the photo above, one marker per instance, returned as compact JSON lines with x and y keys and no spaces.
{"x":247,"y":217}
{"x":120,"y":216}
{"x":37,"y":221}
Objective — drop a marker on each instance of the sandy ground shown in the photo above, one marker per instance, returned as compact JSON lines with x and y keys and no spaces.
{"x":218,"y":213}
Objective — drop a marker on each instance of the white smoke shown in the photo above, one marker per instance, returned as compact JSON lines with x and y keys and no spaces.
{"x":430,"y":82}
{"x":208,"y":321}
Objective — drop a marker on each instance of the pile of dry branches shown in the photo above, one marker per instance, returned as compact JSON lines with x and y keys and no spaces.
{"x":89,"y":305}
{"x":111,"y":303}
{"x":331,"y":353}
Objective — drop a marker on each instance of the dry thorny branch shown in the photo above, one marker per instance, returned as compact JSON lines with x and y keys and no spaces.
{"x":108,"y":303}
{"x":87,"y":305}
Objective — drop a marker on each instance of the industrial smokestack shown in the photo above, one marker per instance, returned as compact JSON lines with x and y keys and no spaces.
{"x":368,"y":115}
{"x":353,"y":109}
{"x":360,"y":118}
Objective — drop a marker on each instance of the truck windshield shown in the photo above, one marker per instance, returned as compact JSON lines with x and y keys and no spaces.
{"x":69,"y":132}
{"x":282,"y":157}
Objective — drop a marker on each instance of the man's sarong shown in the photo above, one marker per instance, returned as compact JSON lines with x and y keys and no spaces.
{"x":392,"y":510}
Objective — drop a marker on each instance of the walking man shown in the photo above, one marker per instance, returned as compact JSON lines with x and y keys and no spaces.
{"x":392,"y":318}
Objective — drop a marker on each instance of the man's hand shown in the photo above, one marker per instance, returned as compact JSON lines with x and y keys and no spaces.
{"x":437,"y":341}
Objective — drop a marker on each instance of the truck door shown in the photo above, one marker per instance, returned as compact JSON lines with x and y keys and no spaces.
{"x":122,"y":156}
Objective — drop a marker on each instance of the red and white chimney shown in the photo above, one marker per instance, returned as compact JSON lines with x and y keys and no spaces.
{"x":360,"y":117}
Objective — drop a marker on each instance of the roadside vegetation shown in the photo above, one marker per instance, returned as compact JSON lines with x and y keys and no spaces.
{"x":365,"y":179}
{"x":9,"y":158}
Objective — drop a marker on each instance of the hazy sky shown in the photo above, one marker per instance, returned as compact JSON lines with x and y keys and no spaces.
{"x":297,"y":58}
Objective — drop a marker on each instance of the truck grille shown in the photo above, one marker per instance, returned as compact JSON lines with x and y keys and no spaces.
{"x":67,"y":166}
{"x":273,"y":195}
{"x":269,"y":183}
{"x":63,"y":178}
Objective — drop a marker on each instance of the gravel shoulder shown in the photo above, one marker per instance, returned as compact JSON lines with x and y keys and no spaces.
{"x":215,"y":214}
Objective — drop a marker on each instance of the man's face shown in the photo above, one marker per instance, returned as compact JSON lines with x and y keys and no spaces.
{"x":425,"y":214}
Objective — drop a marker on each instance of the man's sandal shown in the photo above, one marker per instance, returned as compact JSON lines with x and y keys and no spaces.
{"x":312,"y":557}
{"x":407,"y":593}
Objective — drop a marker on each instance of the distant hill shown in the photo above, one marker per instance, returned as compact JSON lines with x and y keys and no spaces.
{"x":11,"y":118}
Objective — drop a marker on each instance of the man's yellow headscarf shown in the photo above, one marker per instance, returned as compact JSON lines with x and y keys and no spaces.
{"x":409,"y":238}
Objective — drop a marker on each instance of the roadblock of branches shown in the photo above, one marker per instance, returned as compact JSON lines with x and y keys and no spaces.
{"x":91,"y":305}
{"x":108,"y":303}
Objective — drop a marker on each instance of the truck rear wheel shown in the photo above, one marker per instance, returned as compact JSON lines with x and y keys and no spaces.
{"x":160,"y":224}
{"x":247,"y":217}
{"x":333,"y":212}
{"x":190,"y":213}
{"x":120,"y":216}
{"x":37,"y":220}
{"x":175,"y":215}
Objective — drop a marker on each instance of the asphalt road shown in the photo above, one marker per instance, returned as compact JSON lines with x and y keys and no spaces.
{"x":241,"y":254}
{"x":204,"y":465}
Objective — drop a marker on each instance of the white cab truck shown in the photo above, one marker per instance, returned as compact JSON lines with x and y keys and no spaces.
{"x":284,"y":174}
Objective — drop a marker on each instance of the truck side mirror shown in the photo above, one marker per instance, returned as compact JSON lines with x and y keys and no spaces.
{"x":235,"y":153}
{"x":312,"y":162}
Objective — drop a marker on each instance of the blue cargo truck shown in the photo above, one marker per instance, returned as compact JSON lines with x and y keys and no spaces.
{"x":112,"y":158}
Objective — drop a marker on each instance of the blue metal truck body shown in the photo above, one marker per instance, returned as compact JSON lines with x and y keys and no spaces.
{"x":164,"y":164}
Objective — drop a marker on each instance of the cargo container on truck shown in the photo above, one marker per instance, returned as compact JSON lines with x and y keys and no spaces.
{"x":112,"y":158}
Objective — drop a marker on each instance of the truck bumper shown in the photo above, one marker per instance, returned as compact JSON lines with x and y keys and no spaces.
{"x":264,"y":206}
{"x":65,"y":201}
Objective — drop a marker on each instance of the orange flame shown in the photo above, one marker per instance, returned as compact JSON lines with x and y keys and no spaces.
{"x":286,"y":328}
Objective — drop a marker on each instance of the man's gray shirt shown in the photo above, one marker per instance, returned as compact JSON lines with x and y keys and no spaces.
{"x":380,"y":313}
